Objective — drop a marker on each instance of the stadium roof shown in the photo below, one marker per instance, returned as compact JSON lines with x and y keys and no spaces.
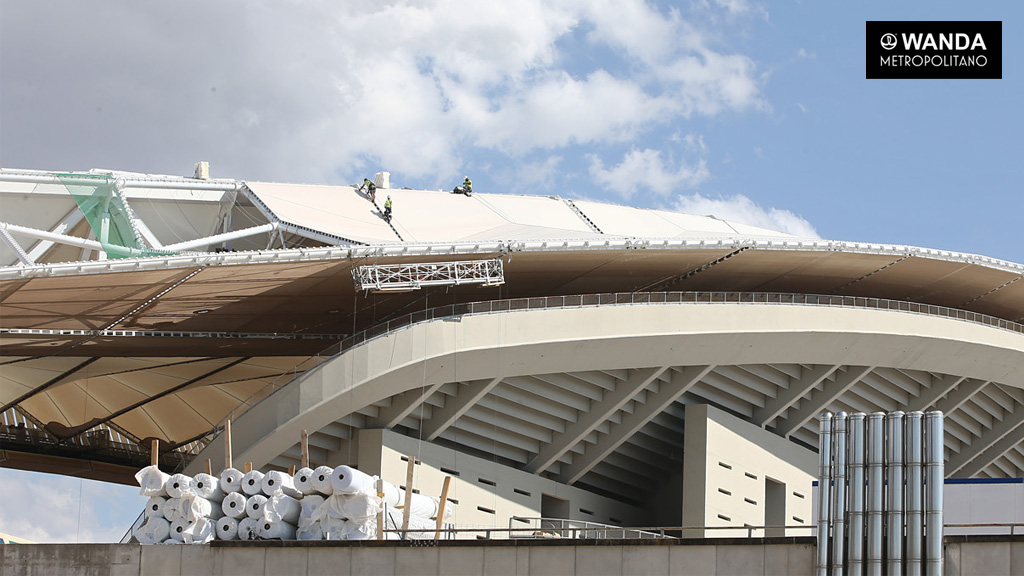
{"x":219,"y":292}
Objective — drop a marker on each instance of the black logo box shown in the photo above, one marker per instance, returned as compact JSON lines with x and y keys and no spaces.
{"x":917,"y":62}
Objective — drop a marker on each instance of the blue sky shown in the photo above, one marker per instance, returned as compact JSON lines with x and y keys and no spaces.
{"x":753,"y":111}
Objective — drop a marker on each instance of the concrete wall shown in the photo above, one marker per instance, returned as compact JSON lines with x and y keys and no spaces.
{"x":993,"y":557}
{"x":485,"y":493}
{"x":729,"y":463}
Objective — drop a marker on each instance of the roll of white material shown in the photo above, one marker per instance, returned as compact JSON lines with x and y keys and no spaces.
{"x":393,"y":495}
{"x":227,"y":529}
{"x":208,"y":487}
{"x":427,"y":526}
{"x":334,"y":528}
{"x":321,"y":480}
{"x":310,"y":508}
{"x":201,"y":531}
{"x":356,"y":507}
{"x":231,"y":480}
{"x":155,"y":507}
{"x":247,"y":528}
{"x":311,"y":531}
{"x":178,"y":485}
{"x":303,"y":480}
{"x":233,"y":505}
{"x":275,"y":482}
{"x":172,"y":510}
{"x":177,"y":529}
{"x":151,"y":481}
{"x":348,"y":480}
{"x":194,"y":507}
{"x":277,"y":530}
{"x":155,"y":530}
{"x":254,"y":506}
{"x":282,"y":508}
{"x":252,"y":483}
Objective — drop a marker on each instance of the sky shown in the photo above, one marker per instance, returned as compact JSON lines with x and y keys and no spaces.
{"x":753,"y":111}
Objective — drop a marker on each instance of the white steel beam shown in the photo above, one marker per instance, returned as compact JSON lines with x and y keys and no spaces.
{"x":820,"y":400}
{"x":668,"y":392}
{"x":798,"y":388}
{"x":590,"y":419}
{"x":70,"y":221}
{"x":455,"y":406}
{"x":23,"y":257}
{"x":988,"y":447}
{"x":216,"y":238}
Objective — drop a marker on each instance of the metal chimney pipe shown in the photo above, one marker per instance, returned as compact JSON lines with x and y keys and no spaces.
{"x":855,"y":562}
{"x":935,"y":472}
{"x":915,"y":493}
{"x":839,"y":493}
{"x":894,"y":469}
{"x":875,"y":491}
{"x":824,"y":478}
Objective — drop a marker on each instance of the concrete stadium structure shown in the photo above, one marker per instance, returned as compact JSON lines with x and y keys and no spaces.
{"x":631,"y":367}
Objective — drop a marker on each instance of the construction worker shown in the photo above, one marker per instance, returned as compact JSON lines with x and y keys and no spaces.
{"x":387,"y":209}
{"x":467,"y":186}
{"x":371,"y":189}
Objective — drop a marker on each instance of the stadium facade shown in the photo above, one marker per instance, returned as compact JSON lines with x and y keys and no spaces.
{"x":558,"y":358}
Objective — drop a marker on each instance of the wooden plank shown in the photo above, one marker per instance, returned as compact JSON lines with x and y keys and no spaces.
{"x":227,"y":444}
{"x":407,"y":508}
{"x":380,"y":515}
{"x":305,"y":449}
{"x":154,"y":453}
{"x":440,"y":508}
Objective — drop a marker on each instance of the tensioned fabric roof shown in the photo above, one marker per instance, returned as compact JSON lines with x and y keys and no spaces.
{"x":167,"y":347}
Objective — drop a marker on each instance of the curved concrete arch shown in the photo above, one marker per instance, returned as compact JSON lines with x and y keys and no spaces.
{"x":539,"y":341}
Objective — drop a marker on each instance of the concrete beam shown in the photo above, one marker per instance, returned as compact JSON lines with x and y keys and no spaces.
{"x":798,"y":388}
{"x":820,"y":400}
{"x":590,"y":419}
{"x":403,"y":404}
{"x":970,"y":460}
{"x":667,"y":393}
{"x":960,"y":394}
{"x":939,"y":388}
{"x":455,"y":406}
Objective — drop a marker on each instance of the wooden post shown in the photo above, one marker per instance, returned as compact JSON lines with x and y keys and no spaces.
{"x":154,"y":453}
{"x":227,"y":444}
{"x":291,"y":470}
{"x":380,"y":515}
{"x":440,"y":508}
{"x":305,"y":449}
{"x":248,"y":467}
{"x":209,"y":467}
{"x":407,"y":509}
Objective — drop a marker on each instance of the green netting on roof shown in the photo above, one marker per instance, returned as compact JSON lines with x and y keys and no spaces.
{"x":106,"y":213}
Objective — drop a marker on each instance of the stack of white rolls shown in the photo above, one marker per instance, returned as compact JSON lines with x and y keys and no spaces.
{"x":313,"y":504}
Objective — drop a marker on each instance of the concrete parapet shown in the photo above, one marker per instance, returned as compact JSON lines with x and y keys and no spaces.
{"x":995,"y":555}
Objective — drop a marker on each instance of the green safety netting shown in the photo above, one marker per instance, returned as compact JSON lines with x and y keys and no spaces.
{"x":106,"y":213}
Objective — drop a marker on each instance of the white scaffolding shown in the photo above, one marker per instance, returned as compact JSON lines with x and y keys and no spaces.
{"x":398,"y":277}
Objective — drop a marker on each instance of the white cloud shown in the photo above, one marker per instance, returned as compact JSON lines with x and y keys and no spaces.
{"x":646,"y":172}
{"x":741,"y":209}
{"x":312,"y":91}
{"x":59,"y":509}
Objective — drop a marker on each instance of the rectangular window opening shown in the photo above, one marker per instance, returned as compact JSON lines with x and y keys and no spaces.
{"x":486,"y":481}
{"x":798,"y":520}
{"x":723,"y":517}
{"x":449,"y":471}
{"x":724,"y":465}
{"x":749,"y":475}
{"x":523,"y":492}
{"x":724,"y":491}
{"x":798,"y":495}
{"x":749,"y":501}
{"x":487,"y":510}
{"x":588,"y":512}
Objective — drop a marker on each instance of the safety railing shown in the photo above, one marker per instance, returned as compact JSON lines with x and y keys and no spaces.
{"x":634,"y":298}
